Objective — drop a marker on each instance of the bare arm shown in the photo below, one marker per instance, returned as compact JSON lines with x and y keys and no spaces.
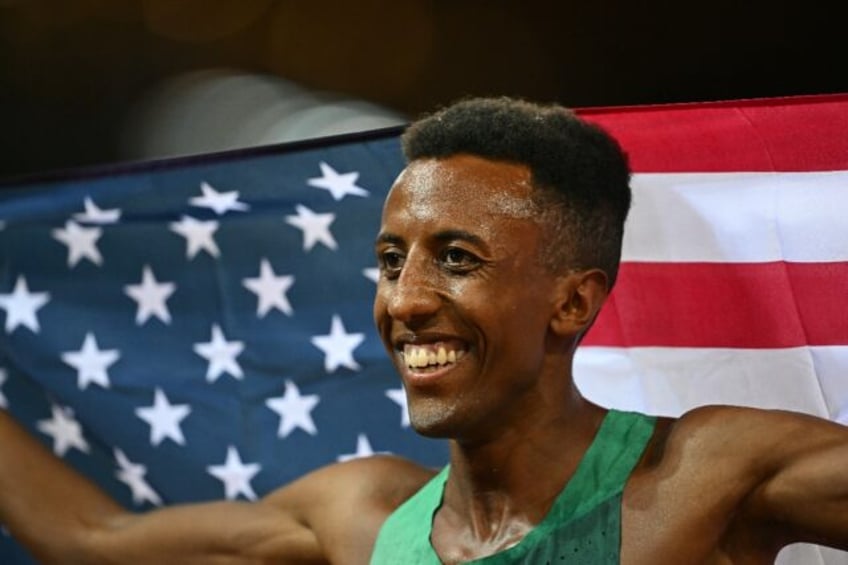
{"x":64,"y":518}
{"x":804,"y":494}
{"x":42,"y":498}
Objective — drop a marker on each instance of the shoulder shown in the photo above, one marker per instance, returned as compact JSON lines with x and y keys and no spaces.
{"x":731,"y":451}
{"x":738,"y":476}
{"x":764,"y":437}
{"x":345,"y":504}
{"x":381,"y":481}
{"x":749,"y":456}
{"x":384,"y":480}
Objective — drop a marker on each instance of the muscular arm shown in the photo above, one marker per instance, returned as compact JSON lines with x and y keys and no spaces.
{"x":64,"y":518}
{"x":805,"y":490}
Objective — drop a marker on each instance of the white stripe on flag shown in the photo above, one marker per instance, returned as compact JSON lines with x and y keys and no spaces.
{"x":806,"y":554}
{"x":668,"y":381}
{"x":738,"y":217}
{"x":832,"y":366}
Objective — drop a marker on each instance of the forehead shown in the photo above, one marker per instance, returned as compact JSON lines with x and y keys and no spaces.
{"x":461,"y":188}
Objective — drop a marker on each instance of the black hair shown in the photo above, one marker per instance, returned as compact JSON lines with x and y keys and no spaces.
{"x":580,"y":173}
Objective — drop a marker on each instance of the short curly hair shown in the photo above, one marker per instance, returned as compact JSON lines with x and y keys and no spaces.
{"x":580,"y":173}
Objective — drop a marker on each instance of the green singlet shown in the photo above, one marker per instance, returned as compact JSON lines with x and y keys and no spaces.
{"x":583,"y":527}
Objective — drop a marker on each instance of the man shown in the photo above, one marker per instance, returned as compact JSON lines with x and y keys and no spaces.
{"x":499,"y":243}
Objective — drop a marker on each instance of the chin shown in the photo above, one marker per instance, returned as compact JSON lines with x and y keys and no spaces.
{"x":431,"y":431}
{"x":432,"y":419}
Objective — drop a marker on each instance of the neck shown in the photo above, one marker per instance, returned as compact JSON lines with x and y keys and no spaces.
{"x":514,"y":477}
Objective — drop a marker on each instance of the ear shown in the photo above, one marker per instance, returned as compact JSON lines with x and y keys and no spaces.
{"x":580,"y":297}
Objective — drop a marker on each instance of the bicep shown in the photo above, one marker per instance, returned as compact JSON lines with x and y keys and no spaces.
{"x":806,"y":492}
{"x":217,"y":532}
{"x":332,"y":514}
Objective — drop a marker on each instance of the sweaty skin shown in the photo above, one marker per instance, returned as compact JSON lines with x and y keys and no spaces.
{"x":457,"y":263}
{"x":717,"y":486}
{"x":482,"y":335}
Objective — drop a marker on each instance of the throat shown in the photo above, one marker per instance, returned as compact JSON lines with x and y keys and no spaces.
{"x":497,"y":492}
{"x":491,"y":528}
{"x":479,"y":519}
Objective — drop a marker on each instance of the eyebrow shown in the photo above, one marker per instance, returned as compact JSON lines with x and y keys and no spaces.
{"x":389,"y":238}
{"x":442,"y":237}
{"x":461,"y":235}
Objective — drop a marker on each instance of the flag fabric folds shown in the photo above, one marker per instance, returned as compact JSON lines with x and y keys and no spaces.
{"x":200,"y":328}
{"x":733,"y":286}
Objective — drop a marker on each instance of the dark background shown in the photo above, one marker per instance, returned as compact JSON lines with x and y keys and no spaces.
{"x":72,"y":71}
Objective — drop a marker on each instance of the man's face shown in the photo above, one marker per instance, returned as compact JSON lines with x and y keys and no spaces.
{"x":463,"y":304}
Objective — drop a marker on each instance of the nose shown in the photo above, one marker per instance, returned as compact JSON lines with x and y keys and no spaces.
{"x":413,"y":296}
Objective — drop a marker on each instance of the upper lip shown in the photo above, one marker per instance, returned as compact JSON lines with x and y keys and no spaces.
{"x":412,"y":338}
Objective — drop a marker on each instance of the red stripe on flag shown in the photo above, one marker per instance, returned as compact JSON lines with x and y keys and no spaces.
{"x":738,"y":305}
{"x":775,"y":134}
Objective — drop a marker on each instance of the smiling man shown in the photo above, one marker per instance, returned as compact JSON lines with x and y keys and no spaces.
{"x":498,"y":246}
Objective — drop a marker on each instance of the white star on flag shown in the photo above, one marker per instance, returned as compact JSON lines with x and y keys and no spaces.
{"x":95,"y":215}
{"x":363,"y":449}
{"x":164,"y":419}
{"x":81,"y":242}
{"x":339,"y":185}
{"x":221,"y":355}
{"x":65,"y":431}
{"x":219,"y":202}
{"x":235,"y":475}
{"x":398,"y":395}
{"x":198,"y":235}
{"x":270,"y":289}
{"x":132,"y":475}
{"x":315,"y":227}
{"x":91,"y":362}
{"x":338,"y":346}
{"x":372,"y":274}
{"x":295,"y":410}
{"x":3,"y":402}
{"x":151,"y":295}
{"x":21,"y":304}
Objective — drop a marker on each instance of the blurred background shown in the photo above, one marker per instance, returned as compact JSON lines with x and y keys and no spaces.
{"x":90,"y":82}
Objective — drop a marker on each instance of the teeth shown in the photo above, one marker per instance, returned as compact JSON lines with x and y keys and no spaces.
{"x":419,"y":357}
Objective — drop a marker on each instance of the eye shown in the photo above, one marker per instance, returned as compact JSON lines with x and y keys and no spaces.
{"x":391,"y":262}
{"x":459,"y":260}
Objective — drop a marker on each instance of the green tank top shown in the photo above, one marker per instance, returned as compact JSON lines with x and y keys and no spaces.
{"x":583,"y":527}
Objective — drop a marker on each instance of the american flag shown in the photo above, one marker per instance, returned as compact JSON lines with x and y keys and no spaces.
{"x":200,"y":328}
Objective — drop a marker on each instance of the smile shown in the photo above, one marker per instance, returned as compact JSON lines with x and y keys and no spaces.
{"x":431,"y":355}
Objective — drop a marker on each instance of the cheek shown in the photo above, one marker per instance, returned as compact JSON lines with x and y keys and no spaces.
{"x":521,"y":320}
{"x":518,"y":349}
{"x":462,"y":291}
